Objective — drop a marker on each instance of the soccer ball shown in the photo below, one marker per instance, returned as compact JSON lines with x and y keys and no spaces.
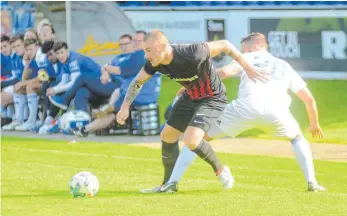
{"x":74,"y":119}
{"x":84,"y":184}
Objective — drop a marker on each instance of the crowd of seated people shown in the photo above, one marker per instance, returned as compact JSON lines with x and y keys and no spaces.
{"x":41,"y":79}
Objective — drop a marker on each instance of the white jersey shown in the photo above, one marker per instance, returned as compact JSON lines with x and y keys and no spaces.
{"x":262,"y":105}
{"x":282,"y":78}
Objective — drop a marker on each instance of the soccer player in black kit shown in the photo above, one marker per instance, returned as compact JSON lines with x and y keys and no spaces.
{"x":201,"y":104}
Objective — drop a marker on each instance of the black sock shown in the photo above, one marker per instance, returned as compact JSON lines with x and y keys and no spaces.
{"x":169,"y":152}
{"x":205,"y":151}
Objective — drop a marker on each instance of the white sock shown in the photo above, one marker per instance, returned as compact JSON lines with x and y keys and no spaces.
{"x":26,"y":108}
{"x":185,"y":158}
{"x":10,"y":111}
{"x":3,"y":112}
{"x":33,"y":101}
{"x":19,"y":104}
{"x":303,"y":155}
{"x":48,"y":120}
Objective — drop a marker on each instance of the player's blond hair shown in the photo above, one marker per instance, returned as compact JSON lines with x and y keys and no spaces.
{"x":255,"y":38}
{"x":157,"y":36}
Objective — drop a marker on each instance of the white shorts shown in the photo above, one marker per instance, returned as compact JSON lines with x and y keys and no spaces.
{"x":244,"y":114}
{"x":8,"y":89}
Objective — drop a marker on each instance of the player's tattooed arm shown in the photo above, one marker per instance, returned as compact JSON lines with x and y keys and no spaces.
{"x":136,"y":86}
{"x":217,"y":47}
{"x":220,"y":46}
{"x":229,"y":70}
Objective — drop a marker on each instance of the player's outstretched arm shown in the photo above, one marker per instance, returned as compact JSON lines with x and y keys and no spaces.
{"x":312,"y":111}
{"x":217,"y":47}
{"x":133,"y":90}
{"x":229,"y":70}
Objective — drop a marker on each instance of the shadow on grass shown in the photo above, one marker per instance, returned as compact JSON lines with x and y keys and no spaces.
{"x":101,"y":194}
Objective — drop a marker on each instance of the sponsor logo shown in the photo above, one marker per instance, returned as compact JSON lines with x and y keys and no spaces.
{"x":186,"y":79}
{"x":93,"y":48}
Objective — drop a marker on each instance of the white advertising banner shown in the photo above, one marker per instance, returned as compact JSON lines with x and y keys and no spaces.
{"x":179,"y":26}
{"x":313,"y":41}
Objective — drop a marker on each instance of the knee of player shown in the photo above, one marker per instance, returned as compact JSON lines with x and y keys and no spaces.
{"x":29,"y":88}
{"x":191,"y":141}
{"x":16,"y":86}
{"x":168,"y":137}
{"x":82,"y":92}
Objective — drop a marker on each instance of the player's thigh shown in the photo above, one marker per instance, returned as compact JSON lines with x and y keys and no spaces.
{"x":170,"y":134}
{"x":230,"y":123}
{"x":193,"y":136}
{"x":103,"y":90}
{"x":20,"y":87}
{"x":282,"y":124}
{"x":34,"y":86}
{"x":7,"y":95}
{"x":181,"y":113}
{"x":8,"y":89}
{"x":207,"y":113}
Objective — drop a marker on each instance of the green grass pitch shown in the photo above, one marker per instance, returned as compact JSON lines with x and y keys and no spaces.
{"x":36,"y":173}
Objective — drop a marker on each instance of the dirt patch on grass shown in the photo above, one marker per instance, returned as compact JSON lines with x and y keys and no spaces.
{"x":279,"y":148}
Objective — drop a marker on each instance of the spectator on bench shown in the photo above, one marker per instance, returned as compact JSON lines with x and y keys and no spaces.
{"x":51,"y":74}
{"x":128,"y":69}
{"x":6,"y":69}
{"x":7,"y":86}
{"x":86,"y":73}
{"x":30,"y":34}
{"x":30,"y":84}
{"x":83,"y":97}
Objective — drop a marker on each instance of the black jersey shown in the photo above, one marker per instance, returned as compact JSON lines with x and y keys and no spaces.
{"x":191,"y":67}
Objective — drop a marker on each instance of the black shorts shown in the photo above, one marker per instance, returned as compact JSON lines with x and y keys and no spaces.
{"x":196,"y":113}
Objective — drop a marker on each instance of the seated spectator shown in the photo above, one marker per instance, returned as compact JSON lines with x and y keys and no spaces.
{"x":128,"y":69}
{"x":30,"y":85}
{"x":50,"y":73}
{"x":127,"y":47}
{"x":46,"y":32}
{"x":30,"y":34}
{"x":6,"y":68}
{"x":5,"y":57}
{"x":85,"y":73}
{"x":7,"y":86}
{"x":54,"y":76}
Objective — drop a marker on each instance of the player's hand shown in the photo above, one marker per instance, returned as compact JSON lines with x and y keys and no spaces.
{"x":26,"y":59}
{"x":258,"y":74}
{"x":316,"y":131}
{"x":50,"y":92}
{"x":122,"y":116}
{"x":18,"y":86}
{"x":105,"y":77}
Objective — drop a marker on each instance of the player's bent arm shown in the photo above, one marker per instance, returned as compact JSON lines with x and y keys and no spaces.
{"x":10,"y":81}
{"x":135,"y":87}
{"x":310,"y":103}
{"x":112,"y":69}
{"x":65,"y":84}
{"x":229,"y":70}
{"x":26,"y":73}
{"x":217,"y":47}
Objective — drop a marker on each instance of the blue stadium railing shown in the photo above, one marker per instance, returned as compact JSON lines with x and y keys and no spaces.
{"x":229,"y":3}
{"x":21,"y":15}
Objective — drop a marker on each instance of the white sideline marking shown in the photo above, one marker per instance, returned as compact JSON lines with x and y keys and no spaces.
{"x":141,"y":159}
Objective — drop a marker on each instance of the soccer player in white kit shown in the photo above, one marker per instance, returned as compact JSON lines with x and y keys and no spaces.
{"x":264,"y":106}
